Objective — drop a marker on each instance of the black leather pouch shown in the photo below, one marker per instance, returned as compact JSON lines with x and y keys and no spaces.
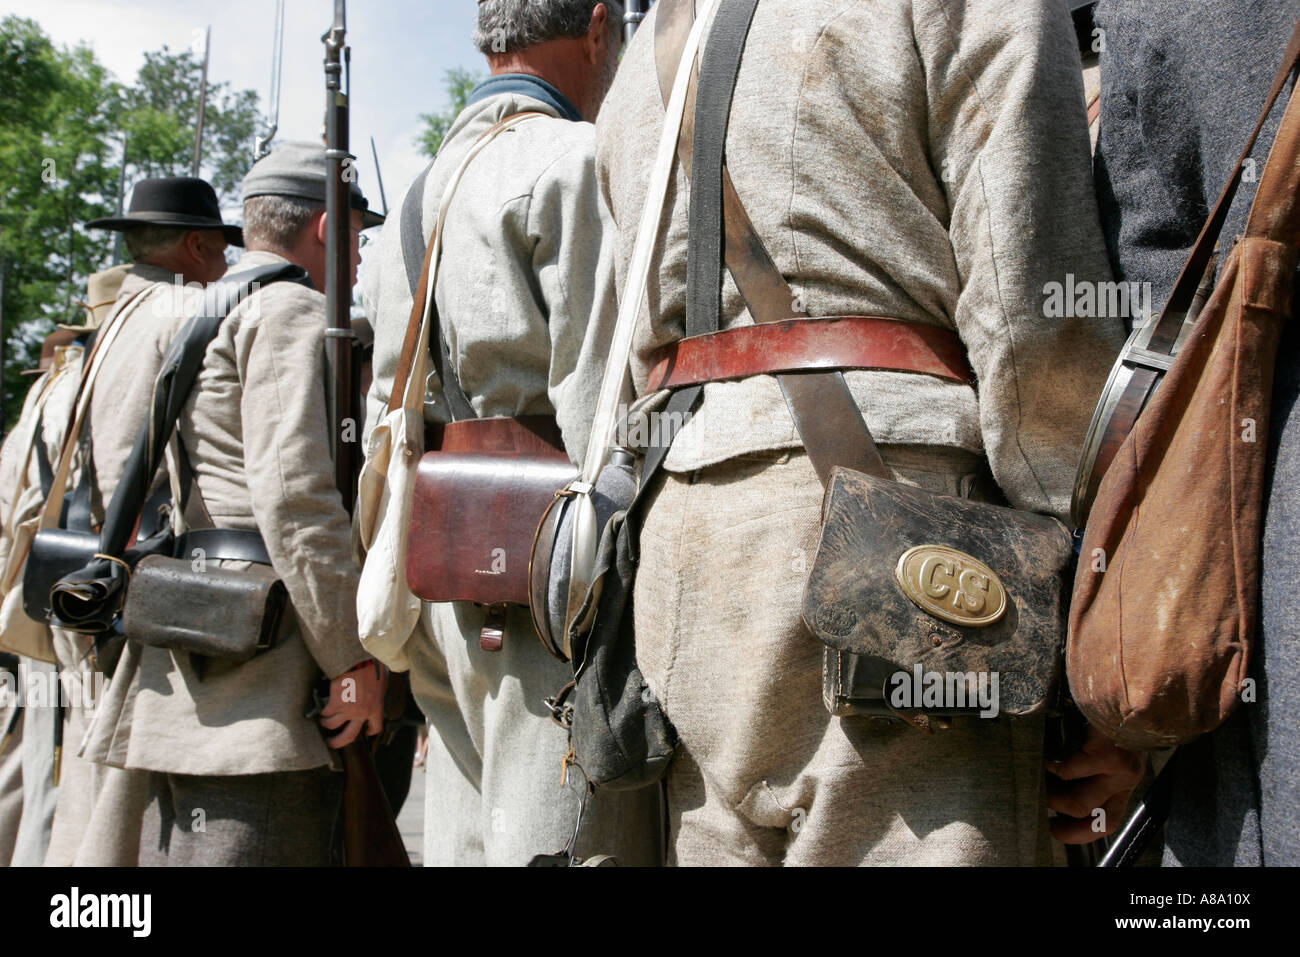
{"x":932,"y":604}
{"x":204,"y":609}
{"x":89,"y":598}
{"x":55,"y":554}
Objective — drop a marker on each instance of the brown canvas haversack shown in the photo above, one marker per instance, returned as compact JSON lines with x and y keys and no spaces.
{"x":1166,"y":597}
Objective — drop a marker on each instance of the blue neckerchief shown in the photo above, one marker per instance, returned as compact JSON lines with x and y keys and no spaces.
{"x":528,"y":85}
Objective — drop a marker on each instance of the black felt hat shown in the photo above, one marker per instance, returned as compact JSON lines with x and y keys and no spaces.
{"x":173,"y":201}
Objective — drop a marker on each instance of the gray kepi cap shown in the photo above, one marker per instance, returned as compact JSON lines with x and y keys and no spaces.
{"x":298,"y":170}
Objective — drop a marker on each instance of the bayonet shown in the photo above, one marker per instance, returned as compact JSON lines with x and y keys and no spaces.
{"x":379,"y":174}
{"x":203,"y":101}
{"x":263,"y":143}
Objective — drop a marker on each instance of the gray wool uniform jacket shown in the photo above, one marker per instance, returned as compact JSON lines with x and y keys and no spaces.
{"x":256,"y":432}
{"x":527,"y":276}
{"x":925,"y":160}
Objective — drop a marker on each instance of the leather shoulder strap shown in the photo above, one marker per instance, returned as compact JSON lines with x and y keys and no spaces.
{"x":1275,"y":213}
{"x":413,"y":245}
{"x":104,"y":336}
{"x":768,"y":295}
{"x":824,"y":412}
{"x":712,"y":116}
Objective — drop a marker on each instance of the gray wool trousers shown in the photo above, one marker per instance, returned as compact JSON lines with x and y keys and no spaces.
{"x":493,"y":792}
{"x":764,"y":775}
{"x":255,"y":820}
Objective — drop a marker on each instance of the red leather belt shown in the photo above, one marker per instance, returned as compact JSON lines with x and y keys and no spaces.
{"x":813,"y":345}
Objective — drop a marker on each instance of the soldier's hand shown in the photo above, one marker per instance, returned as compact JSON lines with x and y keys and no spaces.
{"x":1092,"y":787}
{"x":356,"y":703}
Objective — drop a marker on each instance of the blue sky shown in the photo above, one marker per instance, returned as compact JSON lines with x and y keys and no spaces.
{"x":401,"y":50}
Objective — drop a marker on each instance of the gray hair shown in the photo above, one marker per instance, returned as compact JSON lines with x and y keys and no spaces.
{"x":147,"y":240}
{"x":508,"y":26}
{"x":274,"y":222}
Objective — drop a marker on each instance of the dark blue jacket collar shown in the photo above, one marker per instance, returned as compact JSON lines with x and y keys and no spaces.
{"x":527,"y":85}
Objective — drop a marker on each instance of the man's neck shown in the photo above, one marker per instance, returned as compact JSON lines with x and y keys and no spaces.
{"x":560,"y":63}
{"x":163,"y":266}
{"x":308,"y":256}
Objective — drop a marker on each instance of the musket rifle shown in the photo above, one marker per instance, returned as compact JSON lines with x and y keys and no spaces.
{"x":370,"y":834}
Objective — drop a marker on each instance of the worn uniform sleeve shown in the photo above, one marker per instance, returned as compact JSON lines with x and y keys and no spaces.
{"x":1008,"y":138}
{"x":291,"y":474}
{"x":573,"y":258}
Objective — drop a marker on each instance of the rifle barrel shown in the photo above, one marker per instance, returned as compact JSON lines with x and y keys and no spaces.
{"x":338,"y":293}
{"x":632,"y":17}
{"x":370,"y":834}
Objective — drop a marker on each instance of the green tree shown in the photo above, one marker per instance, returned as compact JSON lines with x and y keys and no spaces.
{"x":460,"y":83}
{"x":57,"y":111}
{"x":159,"y":115}
{"x":62,"y":122}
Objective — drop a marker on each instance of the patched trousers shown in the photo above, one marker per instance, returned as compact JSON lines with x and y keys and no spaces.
{"x":764,"y":774}
{"x":493,"y":792}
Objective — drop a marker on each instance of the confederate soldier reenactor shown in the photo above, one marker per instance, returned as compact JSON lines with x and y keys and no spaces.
{"x":526,"y":271}
{"x":20,"y":496}
{"x":1235,"y":790}
{"x":176,"y":239}
{"x":233,"y":744}
{"x":892,"y":170}
{"x":174,"y":235}
{"x":27,"y":739}
{"x":26,"y":477}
